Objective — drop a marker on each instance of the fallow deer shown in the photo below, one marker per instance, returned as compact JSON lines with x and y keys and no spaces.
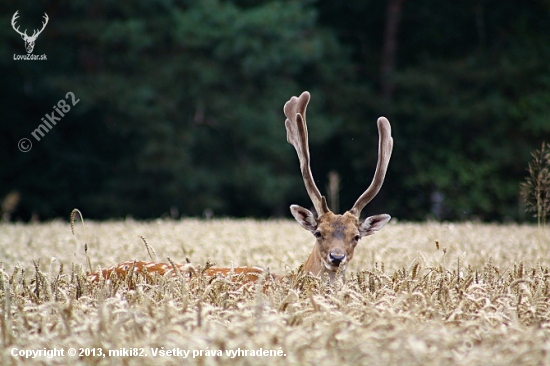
{"x":249,"y":274}
{"x":336,"y":235}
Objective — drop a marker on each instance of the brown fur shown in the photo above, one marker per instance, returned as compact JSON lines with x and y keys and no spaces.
{"x":337,"y":235}
{"x":121,"y":270}
{"x":337,"y":232}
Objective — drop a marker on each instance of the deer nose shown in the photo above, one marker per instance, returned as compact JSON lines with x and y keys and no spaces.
{"x":337,"y":257}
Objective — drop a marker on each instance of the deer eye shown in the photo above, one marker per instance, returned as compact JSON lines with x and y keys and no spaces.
{"x":357,"y":237}
{"x":318,"y":234}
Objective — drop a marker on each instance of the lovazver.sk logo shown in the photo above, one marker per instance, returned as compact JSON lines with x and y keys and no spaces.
{"x":29,"y":40}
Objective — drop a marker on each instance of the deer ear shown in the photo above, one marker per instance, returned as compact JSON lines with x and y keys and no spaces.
{"x":304,"y":217}
{"x":373,"y":223}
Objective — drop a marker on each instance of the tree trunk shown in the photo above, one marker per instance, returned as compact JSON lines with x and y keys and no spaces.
{"x":387,"y":67}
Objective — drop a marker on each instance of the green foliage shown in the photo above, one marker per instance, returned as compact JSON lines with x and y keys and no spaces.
{"x":181,"y":105}
{"x":462,"y":141}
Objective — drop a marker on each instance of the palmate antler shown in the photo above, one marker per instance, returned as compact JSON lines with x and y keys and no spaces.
{"x":385,"y":147}
{"x":296,"y":135}
{"x":296,"y":127}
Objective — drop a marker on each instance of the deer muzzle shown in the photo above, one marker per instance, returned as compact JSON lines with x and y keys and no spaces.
{"x":336,"y":257}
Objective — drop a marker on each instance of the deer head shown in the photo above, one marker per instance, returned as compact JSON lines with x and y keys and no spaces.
{"x":29,"y":40}
{"x":336,"y":235}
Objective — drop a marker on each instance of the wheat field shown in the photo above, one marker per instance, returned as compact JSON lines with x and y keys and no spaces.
{"x":416,"y":294}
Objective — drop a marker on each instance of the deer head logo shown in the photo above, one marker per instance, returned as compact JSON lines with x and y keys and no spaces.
{"x":29,"y":40}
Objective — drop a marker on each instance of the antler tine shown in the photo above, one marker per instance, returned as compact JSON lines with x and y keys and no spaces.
{"x":46,"y":18}
{"x":296,"y":135}
{"x":13,"y":21}
{"x":385,"y":146}
{"x":37,"y":32}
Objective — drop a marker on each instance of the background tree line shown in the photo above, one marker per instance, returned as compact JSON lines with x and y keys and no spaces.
{"x":181,"y":105}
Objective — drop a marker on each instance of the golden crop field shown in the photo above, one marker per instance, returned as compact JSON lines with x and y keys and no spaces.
{"x":480,"y":296}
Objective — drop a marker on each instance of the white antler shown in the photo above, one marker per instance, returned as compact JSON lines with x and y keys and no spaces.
{"x":29,"y":40}
{"x":13,"y":19}
{"x":296,"y":134}
{"x":43,"y":26}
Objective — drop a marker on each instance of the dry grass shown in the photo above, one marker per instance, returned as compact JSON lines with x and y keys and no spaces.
{"x":481,"y":298}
